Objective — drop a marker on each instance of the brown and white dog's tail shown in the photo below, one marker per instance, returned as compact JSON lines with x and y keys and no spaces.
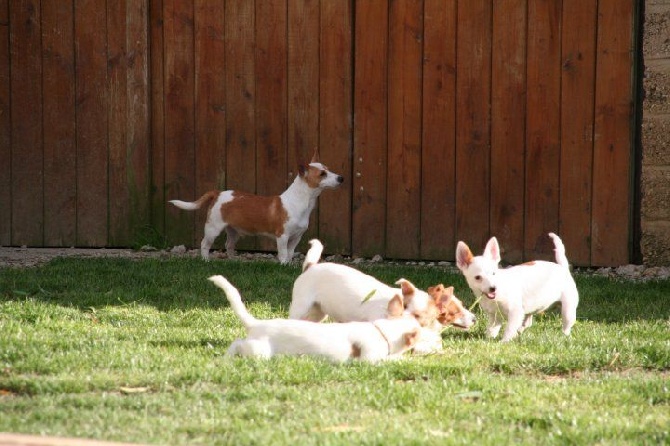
{"x":313,"y":255}
{"x":235,"y":300}
{"x":206,"y":198}
{"x":559,"y":251}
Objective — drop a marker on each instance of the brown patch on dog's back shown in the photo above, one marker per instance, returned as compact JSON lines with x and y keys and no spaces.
{"x":355,"y":351}
{"x":255,"y":213}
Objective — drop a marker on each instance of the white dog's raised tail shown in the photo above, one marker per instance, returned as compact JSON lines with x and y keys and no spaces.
{"x":235,"y":300}
{"x":559,"y":251}
{"x":313,"y":255}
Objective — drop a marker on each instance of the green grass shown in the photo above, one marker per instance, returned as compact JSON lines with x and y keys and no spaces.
{"x":125,"y":350}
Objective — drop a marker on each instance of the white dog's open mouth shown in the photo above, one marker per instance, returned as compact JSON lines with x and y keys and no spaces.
{"x":491,"y":295}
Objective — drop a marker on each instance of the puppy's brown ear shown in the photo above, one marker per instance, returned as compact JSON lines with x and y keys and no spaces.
{"x":436,"y":291}
{"x":442,"y":300}
{"x":395,"y":307}
{"x":412,"y":337}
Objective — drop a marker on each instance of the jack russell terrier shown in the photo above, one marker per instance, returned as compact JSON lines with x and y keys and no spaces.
{"x":518,"y":292}
{"x":368,"y":341}
{"x":346,"y":294}
{"x":284,"y":217}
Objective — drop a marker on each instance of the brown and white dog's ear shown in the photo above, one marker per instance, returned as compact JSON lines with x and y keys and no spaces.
{"x":302,"y":170}
{"x":395,"y":307}
{"x":463,"y":256}
{"x":436,"y":292}
{"x":412,"y":337}
{"x":445,"y":297}
{"x":315,"y":157}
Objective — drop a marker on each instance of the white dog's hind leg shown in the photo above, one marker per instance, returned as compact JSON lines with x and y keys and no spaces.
{"x":569,"y":310}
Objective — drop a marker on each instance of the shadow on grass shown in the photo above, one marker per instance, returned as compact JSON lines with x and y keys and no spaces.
{"x":181,"y":283}
{"x":165,"y":284}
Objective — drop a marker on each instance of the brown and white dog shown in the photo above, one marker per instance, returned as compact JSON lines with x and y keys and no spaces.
{"x":284,"y":217}
{"x":346,"y":294}
{"x":373,"y":341}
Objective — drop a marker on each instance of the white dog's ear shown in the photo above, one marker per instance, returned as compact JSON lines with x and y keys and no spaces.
{"x":463,"y":256}
{"x":492,"y":250}
{"x":395,"y":307}
{"x":407,"y":287}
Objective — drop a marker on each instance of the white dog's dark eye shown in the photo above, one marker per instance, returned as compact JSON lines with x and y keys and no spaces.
{"x":478,"y":278}
{"x":323,"y":173}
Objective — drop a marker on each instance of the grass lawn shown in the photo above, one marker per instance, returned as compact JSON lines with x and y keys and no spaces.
{"x":133,"y":350}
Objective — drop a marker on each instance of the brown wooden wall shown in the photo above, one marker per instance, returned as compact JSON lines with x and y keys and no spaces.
{"x":450,"y":120}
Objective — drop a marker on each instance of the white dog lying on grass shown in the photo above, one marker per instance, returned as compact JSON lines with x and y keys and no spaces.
{"x":368,"y":341}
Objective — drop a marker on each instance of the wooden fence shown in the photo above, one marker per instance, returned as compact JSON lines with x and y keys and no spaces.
{"x":450,"y":120}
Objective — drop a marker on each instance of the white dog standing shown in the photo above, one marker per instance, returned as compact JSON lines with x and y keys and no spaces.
{"x":284,"y":217}
{"x":368,"y":341}
{"x":518,"y":292}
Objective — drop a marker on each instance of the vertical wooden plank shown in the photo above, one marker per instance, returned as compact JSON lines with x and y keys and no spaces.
{"x":271,"y":93}
{"x":240,"y":91}
{"x":508,"y":108}
{"x":158,"y":200}
{"x":179,"y":119}
{"x":117,"y":111}
{"x":612,"y":146}
{"x":577,"y":96}
{"x":473,"y":100}
{"x":128,"y":121}
{"x":335,"y":122}
{"x":370,"y":128}
{"x":438,"y":168}
{"x":404,"y":127}
{"x":91,"y":115}
{"x":542,"y":128}
{"x":60,"y":150}
{"x":5,"y":130}
{"x":26,"y":124}
{"x":303,"y":92}
{"x":210,"y":100}
{"x":138,"y":121}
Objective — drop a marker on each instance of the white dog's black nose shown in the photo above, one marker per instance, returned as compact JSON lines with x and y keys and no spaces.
{"x":340,"y":179}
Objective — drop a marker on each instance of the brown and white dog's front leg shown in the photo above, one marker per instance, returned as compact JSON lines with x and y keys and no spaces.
{"x":282,"y":249}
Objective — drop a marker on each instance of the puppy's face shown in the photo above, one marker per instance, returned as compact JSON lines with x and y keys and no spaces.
{"x":480,"y":271}
{"x":418,"y":303}
{"x":451,"y":311}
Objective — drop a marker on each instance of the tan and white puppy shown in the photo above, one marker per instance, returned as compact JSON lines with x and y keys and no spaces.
{"x":346,"y":294}
{"x":518,"y":292}
{"x":368,"y":341}
{"x":283,"y":217}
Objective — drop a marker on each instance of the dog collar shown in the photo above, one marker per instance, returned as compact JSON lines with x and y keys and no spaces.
{"x":388,"y":344}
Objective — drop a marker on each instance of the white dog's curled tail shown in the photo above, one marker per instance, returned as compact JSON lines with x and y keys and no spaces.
{"x":559,"y":251}
{"x":235,"y":300}
{"x":313,"y":255}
